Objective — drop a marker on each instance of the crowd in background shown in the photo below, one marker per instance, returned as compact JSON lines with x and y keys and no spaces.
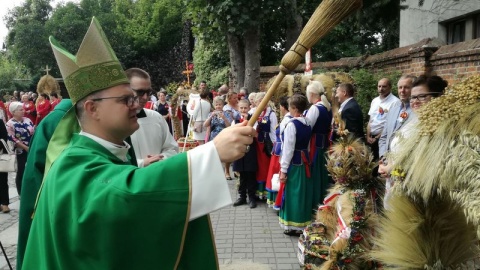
{"x":293,"y":136}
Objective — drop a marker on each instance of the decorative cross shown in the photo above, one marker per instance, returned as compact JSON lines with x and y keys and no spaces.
{"x":188,"y":70}
{"x":47,"y":69}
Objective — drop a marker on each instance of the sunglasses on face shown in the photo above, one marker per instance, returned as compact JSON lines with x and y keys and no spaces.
{"x":142,"y":92}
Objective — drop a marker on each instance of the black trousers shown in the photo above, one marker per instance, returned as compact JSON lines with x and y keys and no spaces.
{"x":21,"y":161}
{"x":4,"y":200}
{"x":248,"y":185}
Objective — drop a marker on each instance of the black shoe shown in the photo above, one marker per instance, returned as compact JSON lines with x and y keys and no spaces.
{"x":239,"y":201}
{"x":292,"y":232}
{"x":252,"y":204}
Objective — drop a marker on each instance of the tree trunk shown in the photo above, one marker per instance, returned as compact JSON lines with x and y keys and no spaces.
{"x":252,"y":59}
{"x":294,"y":28}
{"x":237,"y":60}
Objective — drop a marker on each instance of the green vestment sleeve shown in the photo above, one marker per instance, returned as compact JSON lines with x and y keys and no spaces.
{"x":33,"y":175}
{"x":95,"y":212}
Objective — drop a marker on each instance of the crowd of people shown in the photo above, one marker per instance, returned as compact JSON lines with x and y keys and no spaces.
{"x":113,"y":149}
{"x":294,"y":146}
{"x":19,"y":117}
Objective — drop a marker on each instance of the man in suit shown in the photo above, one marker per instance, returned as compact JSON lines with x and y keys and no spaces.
{"x":350,"y":111}
{"x":398,"y":114}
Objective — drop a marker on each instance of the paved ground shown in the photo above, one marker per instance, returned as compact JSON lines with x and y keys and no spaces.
{"x":246,"y":239}
{"x":251,"y":238}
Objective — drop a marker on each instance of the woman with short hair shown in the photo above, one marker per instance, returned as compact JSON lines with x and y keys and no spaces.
{"x":296,"y":210}
{"x":20,"y":130}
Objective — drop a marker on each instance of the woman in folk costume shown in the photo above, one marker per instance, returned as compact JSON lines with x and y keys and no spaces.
{"x":319,"y":117}
{"x":266,"y":123}
{"x":296,"y":211}
{"x":274,"y":167}
{"x":434,"y":213}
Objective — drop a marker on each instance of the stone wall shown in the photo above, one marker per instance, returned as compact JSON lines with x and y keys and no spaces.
{"x":452,"y":62}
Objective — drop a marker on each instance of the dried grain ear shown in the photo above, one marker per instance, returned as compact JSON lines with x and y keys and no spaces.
{"x":48,"y":85}
{"x":424,"y":235}
{"x":327,"y":15}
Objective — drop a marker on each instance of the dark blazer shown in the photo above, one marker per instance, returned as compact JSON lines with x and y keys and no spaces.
{"x":247,"y":163}
{"x":353,"y":117}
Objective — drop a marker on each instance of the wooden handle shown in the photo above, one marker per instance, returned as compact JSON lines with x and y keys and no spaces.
{"x":327,"y":15}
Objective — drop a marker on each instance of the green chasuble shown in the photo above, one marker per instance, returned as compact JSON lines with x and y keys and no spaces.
{"x":33,"y":176}
{"x":96,"y":212}
{"x":34,"y":172}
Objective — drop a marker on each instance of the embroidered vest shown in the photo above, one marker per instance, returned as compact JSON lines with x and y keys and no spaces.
{"x":303,"y":134}
{"x":322,"y":127}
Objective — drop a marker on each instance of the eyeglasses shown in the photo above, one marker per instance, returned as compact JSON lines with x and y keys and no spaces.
{"x":127,"y":100}
{"x":422,"y":97}
{"x":142,"y":92}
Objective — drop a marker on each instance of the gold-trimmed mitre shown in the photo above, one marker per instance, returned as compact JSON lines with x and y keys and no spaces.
{"x":94,"y":68}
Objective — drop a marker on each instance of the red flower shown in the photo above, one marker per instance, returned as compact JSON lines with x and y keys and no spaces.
{"x":358,"y":237}
{"x":380,"y":110}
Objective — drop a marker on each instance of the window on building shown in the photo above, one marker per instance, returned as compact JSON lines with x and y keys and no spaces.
{"x":476,"y":33}
{"x":456,"y":32}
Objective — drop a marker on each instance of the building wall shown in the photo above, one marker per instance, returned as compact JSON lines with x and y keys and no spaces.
{"x":431,"y":19}
{"x":452,"y":62}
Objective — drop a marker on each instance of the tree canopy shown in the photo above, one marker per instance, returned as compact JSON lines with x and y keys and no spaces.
{"x":231,"y":37}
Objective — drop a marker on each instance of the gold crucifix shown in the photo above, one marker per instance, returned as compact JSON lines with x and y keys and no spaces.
{"x":187,"y":72}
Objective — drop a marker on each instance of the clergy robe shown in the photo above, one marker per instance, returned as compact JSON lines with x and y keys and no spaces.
{"x":33,"y":175}
{"x":97,"y":212}
{"x":152,"y":137}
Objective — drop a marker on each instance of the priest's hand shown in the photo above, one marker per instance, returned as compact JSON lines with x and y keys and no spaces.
{"x":151,"y":159}
{"x":233,"y":142}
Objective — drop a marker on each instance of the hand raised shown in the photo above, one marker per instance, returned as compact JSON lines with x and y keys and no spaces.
{"x":232,"y":142}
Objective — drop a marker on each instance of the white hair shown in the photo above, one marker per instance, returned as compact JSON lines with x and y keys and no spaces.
{"x":15,"y":105}
{"x":316,"y":88}
{"x":259,"y":96}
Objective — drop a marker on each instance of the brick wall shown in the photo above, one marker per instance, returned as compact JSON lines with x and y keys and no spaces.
{"x":452,"y":62}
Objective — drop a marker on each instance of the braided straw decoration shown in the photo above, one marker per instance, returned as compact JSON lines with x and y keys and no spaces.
{"x":327,"y":15}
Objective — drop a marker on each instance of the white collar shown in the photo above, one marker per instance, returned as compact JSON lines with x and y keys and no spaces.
{"x":120,"y":151}
{"x":386,"y":98}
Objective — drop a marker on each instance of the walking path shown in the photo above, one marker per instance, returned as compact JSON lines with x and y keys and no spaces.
{"x":252,"y":238}
{"x":246,"y":239}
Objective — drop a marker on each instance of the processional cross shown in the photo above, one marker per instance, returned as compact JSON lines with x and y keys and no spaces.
{"x":188,"y":70}
{"x":47,"y":69}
